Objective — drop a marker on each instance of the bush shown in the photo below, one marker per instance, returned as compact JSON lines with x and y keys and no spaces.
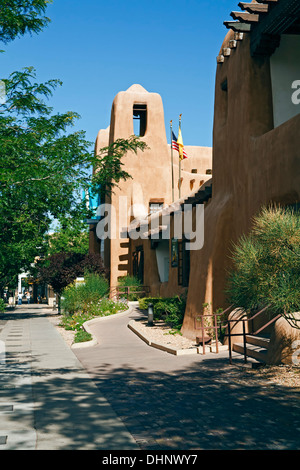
{"x":170,"y":309}
{"x":81,"y":297}
{"x":267,"y":264}
{"x":100,"y":308}
{"x":143,"y":303}
{"x":130,"y":281}
{"x":82,"y":336}
{"x":2,"y":306}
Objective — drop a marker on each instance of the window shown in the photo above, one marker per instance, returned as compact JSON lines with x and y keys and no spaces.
{"x":139,"y":119}
{"x":138,"y":263}
{"x":224,"y":101}
{"x":183,"y":264}
{"x":155,"y":205}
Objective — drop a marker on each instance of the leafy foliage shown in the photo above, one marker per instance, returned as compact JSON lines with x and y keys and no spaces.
{"x":61,"y":269}
{"x":71,"y":235}
{"x":134,"y":285}
{"x":170,"y":309}
{"x":267,"y":264}
{"x":42,"y":168}
{"x":44,"y":165}
{"x":78,"y":298}
{"x":86,"y":301}
{"x":22,"y":16}
{"x":108,"y":163}
{"x":2,"y":306}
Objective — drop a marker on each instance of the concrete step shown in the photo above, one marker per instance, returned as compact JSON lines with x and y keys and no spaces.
{"x":238,"y":359}
{"x":254,"y":351}
{"x":262,"y":341}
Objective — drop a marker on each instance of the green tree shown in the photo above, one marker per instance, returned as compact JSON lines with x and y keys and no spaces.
{"x":70,"y":235}
{"x":44,"y":165}
{"x":108,"y":163}
{"x":42,"y":169}
{"x":267,"y":264}
{"x":22,"y":16}
{"x":61,"y":269}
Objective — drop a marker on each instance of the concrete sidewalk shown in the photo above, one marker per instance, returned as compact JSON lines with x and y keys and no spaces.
{"x":47,"y":399}
{"x":121,"y":394}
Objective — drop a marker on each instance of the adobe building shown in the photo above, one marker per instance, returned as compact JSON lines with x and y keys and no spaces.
{"x":138,"y":112}
{"x":255,"y":160}
{"x":256,"y":139}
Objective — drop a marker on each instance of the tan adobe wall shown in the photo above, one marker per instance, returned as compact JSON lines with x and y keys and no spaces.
{"x":253,"y":165}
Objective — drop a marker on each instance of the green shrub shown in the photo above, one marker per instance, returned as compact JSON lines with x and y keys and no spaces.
{"x":267,"y":264}
{"x":80,"y":297}
{"x":82,"y":336}
{"x":86,"y":301}
{"x":2,"y":306}
{"x":143,"y":302}
{"x":171,"y":310}
{"x":101,"y":308}
{"x":130,"y":281}
{"x":70,"y":301}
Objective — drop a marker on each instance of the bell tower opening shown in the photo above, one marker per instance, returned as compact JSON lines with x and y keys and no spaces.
{"x":139,"y":119}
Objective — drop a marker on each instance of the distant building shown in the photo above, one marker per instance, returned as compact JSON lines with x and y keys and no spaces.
{"x":139,"y":112}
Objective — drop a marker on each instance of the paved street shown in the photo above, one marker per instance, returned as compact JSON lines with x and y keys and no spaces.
{"x":122,"y":394}
{"x":188,"y":402}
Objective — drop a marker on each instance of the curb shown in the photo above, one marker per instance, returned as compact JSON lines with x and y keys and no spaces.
{"x":153,"y":344}
{"x":168,"y":349}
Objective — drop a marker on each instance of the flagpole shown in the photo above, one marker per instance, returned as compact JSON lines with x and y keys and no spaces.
{"x":172,"y":161}
{"x":179,"y":182}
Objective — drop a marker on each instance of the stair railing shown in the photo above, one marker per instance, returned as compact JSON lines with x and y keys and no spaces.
{"x":230,"y":335}
{"x":244,"y":334}
{"x":215,"y":325}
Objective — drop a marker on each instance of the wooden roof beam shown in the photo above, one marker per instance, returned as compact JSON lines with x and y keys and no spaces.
{"x":245,"y":17}
{"x":238,"y":27}
{"x":266,"y":34}
{"x":271,"y":2}
{"x":254,"y":7}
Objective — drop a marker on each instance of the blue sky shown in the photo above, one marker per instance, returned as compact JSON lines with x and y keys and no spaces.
{"x":99,"y":48}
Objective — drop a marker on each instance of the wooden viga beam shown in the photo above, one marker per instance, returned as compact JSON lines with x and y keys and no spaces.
{"x":244,"y":17}
{"x":269,"y":2}
{"x":237,"y":26}
{"x":259,"y":8}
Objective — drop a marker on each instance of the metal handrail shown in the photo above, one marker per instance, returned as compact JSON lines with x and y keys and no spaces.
{"x":215,"y":327}
{"x":203,"y":328}
{"x":244,"y":320}
{"x":127,"y":290}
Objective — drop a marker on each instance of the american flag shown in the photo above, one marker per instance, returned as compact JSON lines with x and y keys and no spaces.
{"x":175,"y":145}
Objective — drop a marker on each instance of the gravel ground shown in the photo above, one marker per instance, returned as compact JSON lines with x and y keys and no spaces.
{"x":68,"y":335}
{"x":163,"y":334}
